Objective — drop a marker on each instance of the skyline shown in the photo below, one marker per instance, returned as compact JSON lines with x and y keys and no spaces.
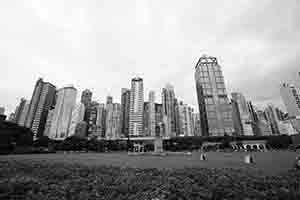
{"x":99,"y":46}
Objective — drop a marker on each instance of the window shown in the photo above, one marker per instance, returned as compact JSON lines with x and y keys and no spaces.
{"x":208,"y":91}
{"x":217,"y":68}
{"x":209,"y":100}
{"x":211,"y":115}
{"x":223,"y":100}
{"x":219,"y":80}
{"x":221,"y":92}
{"x":220,"y":86}
{"x":205,"y":73}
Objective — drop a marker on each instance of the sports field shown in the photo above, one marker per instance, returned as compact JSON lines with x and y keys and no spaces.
{"x":269,"y":163}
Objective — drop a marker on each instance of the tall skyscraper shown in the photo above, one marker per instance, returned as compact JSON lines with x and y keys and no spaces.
{"x":168,"y":103}
{"x":136,"y":107}
{"x":76,"y":117}
{"x":2,"y":110}
{"x":92,"y":122}
{"x":146,"y":119}
{"x":197,"y":124}
{"x":158,"y":114}
{"x":263,"y":126}
{"x":19,"y":110}
{"x":100,"y":123}
{"x":109,"y":99}
{"x":214,"y":107}
{"x":186,"y":127}
{"x":23,"y":115}
{"x":42,"y":100}
{"x":272,"y":118}
{"x":66,"y":99}
{"x":86,"y":97}
{"x":48,"y":122}
{"x":151,"y":119}
{"x":113,"y":121}
{"x":291,"y":99}
{"x":125,"y":108}
{"x":241,"y":115}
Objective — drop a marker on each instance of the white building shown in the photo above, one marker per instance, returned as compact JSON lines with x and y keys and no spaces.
{"x":186,"y":126}
{"x":136,"y":107}
{"x":113,"y":121}
{"x":48,"y":123}
{"x":66,"y":99}
{"x":77,"y":116}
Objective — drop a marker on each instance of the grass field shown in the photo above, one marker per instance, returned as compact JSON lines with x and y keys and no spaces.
{"x":269,"y":163}
{"x":117,"y":176}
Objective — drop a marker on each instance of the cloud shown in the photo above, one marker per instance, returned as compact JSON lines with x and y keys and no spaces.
{"x":103,"y":44}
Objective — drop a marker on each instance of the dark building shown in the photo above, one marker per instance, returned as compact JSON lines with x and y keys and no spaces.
{"x":109,"y":100}
{"x":158,"y":114}
{"x":92,"y":123}
{"x":19,"y":110}
{"x":146,"y":119}
{"x":42,"y":100}
{"x":86,"y":97}
{"x":125,"y":109}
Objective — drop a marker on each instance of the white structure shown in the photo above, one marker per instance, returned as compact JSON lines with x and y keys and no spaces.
{"x":136,"y":107}
{"x":48,"y":123}
{"x":186,"y":126}
{"x":113,"y":121}
{"x":151,"y":122}
{"x":77,"y":116}
{"x":23,"y":115}
{"x":241,"y":115}
{"x":66,"y":99}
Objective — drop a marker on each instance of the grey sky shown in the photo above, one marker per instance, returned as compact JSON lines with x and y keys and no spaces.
{"x":102,"y":44}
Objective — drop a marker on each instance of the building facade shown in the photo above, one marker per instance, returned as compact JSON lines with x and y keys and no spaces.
{"x":125,"y":107}
{"x":291,"y":99}
{"x":48,"y":123}
{"x":214,"y":107}
{"x":100,"y":123}
{"x":19,"y":110}
{"x":42,"y":100}
{"x":86,"y":100}
{"x":168,"y":103}
{"x":136,"y":107}
{"x":76,"y":117}
{"x":241,"y":116}
{"x":2,"y":110}
{"x":92,"y":121}
{"x":113,"y":121}
{"x":23,"y":115}
{"x":186,"y":124}
{"x":151,"y":119}
{"x":66,"y":100}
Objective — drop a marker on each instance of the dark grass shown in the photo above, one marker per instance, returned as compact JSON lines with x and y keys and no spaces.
{"x":28,"y":179}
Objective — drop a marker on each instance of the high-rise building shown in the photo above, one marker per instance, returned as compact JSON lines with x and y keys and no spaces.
{"x":23,"y":115}
{"x":66,"y":99}
{"x":125,"y":107}
{"x":2,"y":110}
{"x":80,"y":130}
{"x":92,"y":122}
{"x":109,"y":99}
{"x":86,"y":97}
{"x":42,"y":100}
{"x":86,"y":100}
{"x":263,"y":126}
{"x":291,"y":99}
{"x":168,"y":103}
{"x":272,"y":118}
{"x":158,"y":114}
{"x":197,"y":124}
{"x":48,"y":122}
{"x":19,"y":110}
{"x":214,"y":107}
{"x":177,"y":119}
{"x":113,"y":121}
{"x":146,"y":119}
{"x":241,"y":115}
{"x":186,"y":127}
{"x":136,"y":107}
{"x":100,"y":123}
{"x":151,"y":119}
{"x":76,"y":117}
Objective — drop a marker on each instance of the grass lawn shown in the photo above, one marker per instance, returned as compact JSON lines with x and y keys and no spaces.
{"x":118,"y":176}
{"x":269,"y":163}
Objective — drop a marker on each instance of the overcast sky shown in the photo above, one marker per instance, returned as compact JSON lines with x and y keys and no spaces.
{"x":102,"y":44}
